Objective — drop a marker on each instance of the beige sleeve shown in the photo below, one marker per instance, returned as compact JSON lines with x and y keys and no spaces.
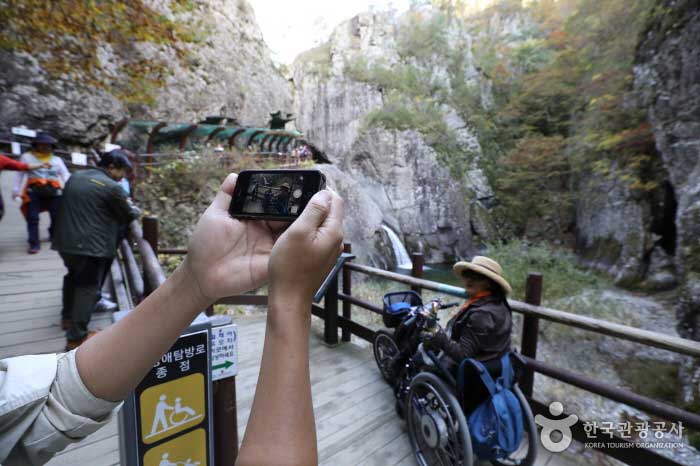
{"x":69,"y":413}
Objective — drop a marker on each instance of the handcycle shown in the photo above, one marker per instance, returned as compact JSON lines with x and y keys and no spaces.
{"x":430,"y":399}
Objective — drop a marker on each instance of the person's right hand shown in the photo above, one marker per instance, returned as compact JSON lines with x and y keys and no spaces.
{"x":227,"y":256}
{"x":305,"y":253}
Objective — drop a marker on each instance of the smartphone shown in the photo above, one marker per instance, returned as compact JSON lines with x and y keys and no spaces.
{"x":274,"y":194}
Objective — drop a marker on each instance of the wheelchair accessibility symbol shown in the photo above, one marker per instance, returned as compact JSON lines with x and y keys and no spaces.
{"x":187,"y":450}
{"x":165,"y":461}
{"x":550,"y":426}
{"x":179,"y":415}
{"x":172,"y":407}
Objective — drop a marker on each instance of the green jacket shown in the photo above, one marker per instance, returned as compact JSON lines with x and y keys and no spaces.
{"x":94,"y":211}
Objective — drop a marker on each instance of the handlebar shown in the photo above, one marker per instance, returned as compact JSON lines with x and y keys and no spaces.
{"x":448,"y":305}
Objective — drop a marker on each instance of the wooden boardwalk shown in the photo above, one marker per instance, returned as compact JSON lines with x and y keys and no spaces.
{"x":354,"y":408}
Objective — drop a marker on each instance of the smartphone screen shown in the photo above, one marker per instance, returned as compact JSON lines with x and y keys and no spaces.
{"x":274,"y":194}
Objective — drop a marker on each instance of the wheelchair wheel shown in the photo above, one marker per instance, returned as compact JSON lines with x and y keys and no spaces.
{"x":385,"y":350}
{"x":436,"y":425}
{"x":526,"y":454}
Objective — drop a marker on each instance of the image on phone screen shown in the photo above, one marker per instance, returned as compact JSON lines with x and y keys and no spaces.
{"x":274,"y":194}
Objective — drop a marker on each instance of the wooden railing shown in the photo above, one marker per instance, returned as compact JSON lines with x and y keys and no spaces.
{"x":533,"y":312}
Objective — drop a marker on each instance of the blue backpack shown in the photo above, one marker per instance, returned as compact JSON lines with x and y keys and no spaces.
{"x":496,"y":425}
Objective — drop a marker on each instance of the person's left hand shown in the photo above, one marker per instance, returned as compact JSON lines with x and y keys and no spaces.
{"x":227,"y":256}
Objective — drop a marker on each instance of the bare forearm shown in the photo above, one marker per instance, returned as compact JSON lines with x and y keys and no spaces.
{"x":146,"y":332}
{"x":281,"y":428}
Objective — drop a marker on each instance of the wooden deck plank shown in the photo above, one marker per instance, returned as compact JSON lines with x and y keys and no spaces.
{"x":408,"y":460}
{"x":23,"y":311}
{"x":330,"y":400}
{"x":368,"y":442}
{"x":47,"y":321}
{"x":326,"y":365}
{"x":348,"y":415}
{"x":391,"y":453}
{"x":345,"y":437}
{"x":54,"y":345}
{"x":36,"y":298}
{"x":38,"y":334}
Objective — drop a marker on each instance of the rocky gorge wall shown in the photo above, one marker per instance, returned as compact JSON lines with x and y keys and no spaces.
{"x":228,"y":71}
{"x":392,"y":176}
{"x":667,"y":78}
{"x":649,"y":239}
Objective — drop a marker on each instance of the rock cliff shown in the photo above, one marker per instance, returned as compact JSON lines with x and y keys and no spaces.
{"x":667,"y":78}
{"x":390,"y":175}
{"x":227,"y":70}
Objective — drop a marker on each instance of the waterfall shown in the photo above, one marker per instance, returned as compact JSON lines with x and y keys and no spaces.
{"x":403,"y":260}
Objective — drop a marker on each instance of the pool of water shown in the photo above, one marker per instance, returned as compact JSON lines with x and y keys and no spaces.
{"x":438,"y":273}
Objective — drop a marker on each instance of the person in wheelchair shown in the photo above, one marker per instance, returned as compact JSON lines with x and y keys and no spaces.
{"x":481,"y":328}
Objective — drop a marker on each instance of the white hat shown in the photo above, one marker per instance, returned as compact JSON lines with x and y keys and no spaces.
{"x":485,"y":266}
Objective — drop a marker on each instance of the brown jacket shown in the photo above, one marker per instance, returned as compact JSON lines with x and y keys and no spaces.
{"x":481,"y":331}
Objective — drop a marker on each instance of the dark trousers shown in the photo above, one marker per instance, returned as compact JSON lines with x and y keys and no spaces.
{"x":33,"y":210}
{"x":82,"y":287}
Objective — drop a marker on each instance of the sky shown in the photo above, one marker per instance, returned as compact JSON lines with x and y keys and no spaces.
{"x":292,"y":27}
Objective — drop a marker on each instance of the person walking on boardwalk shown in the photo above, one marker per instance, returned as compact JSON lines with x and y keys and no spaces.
{"x":94,"y":211}
{"x":6,"y":163}
{"x":40,"y":188}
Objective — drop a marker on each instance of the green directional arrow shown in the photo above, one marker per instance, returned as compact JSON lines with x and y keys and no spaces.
{"x":224,"y":365}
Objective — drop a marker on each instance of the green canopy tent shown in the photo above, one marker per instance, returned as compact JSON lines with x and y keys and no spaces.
{"x":190,"y":135}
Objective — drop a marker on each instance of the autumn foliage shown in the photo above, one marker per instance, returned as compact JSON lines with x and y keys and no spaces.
{"x":69,"y":39}
{"x":574,"y":113}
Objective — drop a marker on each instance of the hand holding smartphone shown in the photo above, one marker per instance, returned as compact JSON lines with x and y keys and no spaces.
{"x":278,"y":195}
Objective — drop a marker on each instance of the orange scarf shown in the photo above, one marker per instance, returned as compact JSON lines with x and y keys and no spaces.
{"x":476,"y":297}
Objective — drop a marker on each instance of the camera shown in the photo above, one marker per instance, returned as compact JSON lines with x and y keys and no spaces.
{"x":274,"y":194}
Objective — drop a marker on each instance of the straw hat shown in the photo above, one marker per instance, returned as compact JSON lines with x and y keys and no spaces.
{"x":485,"y":266}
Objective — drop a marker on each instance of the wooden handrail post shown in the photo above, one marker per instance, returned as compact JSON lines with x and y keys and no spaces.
{"x":330,"y":304}
{"x":225,"y":422}
{"x":347,"y":290}
{"x":417,"y":270}
{"x":531,"y":325}
{"x":150,"y":232}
